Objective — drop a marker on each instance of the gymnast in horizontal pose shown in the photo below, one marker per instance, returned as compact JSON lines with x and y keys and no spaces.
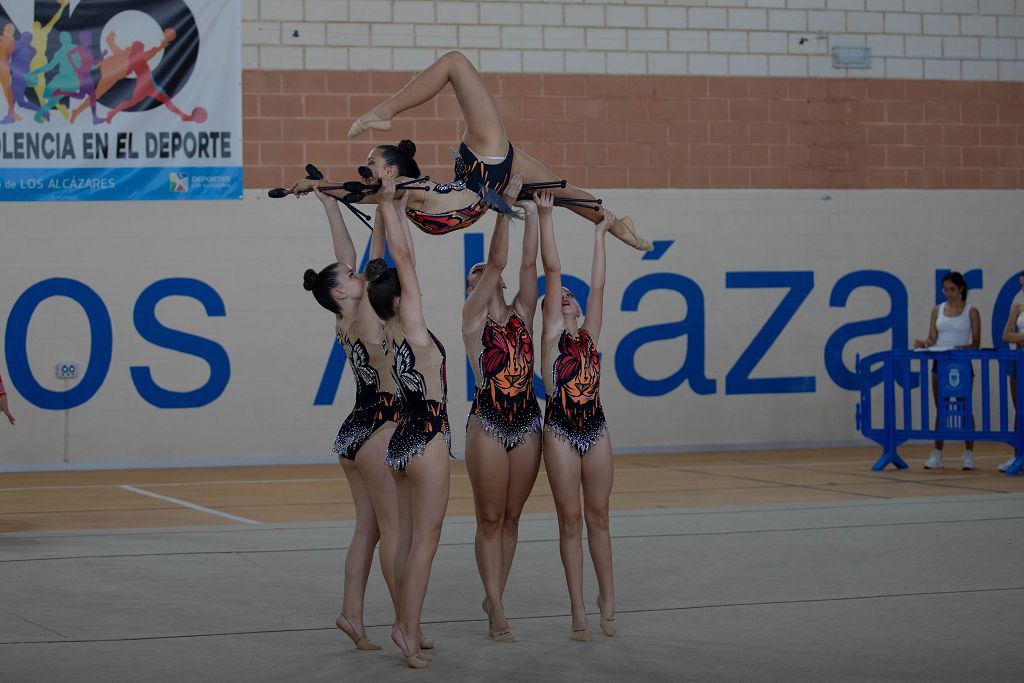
{"x":362,"y":440}
{"x":577,"y":446}
{"x":503,"y":430}
{"x":485,"y":160}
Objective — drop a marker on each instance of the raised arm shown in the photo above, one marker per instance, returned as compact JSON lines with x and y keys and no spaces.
{"x":378,"y":240}
{"x":112,"y":42}
{"x":344,"y":249}
{"x":497,"y":258}
{"x":595,"y":302}
{"x":526,"y":298}
{"x":551,"y":309}
{"x":60,"y":11}
{"x":411,"y":309}
{"x":1010,"y":335}
{"x":933,"y":333}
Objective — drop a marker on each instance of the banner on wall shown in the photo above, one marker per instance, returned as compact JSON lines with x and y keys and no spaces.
{"x":120,"y":100}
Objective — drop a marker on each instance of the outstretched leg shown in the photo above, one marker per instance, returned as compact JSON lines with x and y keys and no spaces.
{"x":564,"y":470}
{"x":534,"y":171}
{"x":485,"y":132}
{"x":598,"y":475}
{"x":358,"y":559}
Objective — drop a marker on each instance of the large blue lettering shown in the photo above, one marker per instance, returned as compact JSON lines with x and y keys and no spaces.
{"x":100,"y":350}
{"x":800,"y":284}
{"x":153,"y":331}
{"x":895,"y":322}
{"x":692,"y":326}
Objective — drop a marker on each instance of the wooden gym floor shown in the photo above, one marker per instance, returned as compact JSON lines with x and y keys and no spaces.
{"x":124,"y":499}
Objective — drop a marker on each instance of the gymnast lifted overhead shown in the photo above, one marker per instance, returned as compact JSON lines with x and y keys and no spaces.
{"x":484,"y":162}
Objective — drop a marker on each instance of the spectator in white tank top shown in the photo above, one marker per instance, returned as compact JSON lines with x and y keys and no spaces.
{"x":1013,"y":333}
{"x":954,"y":325}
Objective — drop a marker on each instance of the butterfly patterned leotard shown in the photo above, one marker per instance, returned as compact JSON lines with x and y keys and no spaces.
{"x":573,"y":410}
{"x":470,"y":173}
{"x":420,"y":375}
{"x":504,"y":403}
{"x":377,"y":400}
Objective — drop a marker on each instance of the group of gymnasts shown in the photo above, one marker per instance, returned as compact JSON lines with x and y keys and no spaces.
{"x":395,"y":445}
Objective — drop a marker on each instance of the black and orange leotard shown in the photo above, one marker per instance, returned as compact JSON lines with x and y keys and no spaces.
{"x":420,"y":373}
{"x":505,"y":404}
{"x":470,"y":173}
{"x":376,"y":395}
{"x":573,"y":410}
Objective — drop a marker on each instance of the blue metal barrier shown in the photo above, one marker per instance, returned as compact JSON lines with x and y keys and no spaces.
{"x":904,"y":373}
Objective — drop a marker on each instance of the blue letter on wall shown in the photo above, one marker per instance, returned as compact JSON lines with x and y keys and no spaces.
{"x":800,"y":284}
{"x":154,"y":332}
{"x":895,"y":322}
{"x":692,"y":326}
{"x":100,"y":347}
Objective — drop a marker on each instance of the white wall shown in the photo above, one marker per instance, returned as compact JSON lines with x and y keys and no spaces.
{"x":253,"y":253}
{"x":914,"y":39}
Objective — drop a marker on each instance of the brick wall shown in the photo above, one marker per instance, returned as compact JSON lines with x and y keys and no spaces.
{"x":605,"y":131}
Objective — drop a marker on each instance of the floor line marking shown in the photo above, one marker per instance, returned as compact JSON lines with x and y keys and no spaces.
{"x":185,"y":503}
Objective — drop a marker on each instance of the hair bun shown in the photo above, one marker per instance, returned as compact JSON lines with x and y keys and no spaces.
{"x":375,"y":269}
{"x":309,"y":279}
{"x":408,"y":147}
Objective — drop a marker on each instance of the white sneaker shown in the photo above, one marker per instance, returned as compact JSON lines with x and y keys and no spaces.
{"x":1006,"y":465}
{"x":968,"y":463}
{"x":934,"y":461}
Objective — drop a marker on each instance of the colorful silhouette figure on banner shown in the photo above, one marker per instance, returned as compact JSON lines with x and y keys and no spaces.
{"x":40,"y":38}
{"x":64,"y":82}
{"x":83,"y":62}
{"x":20,"y":76}
{"x":146,"y":87}
{"x":7,"y":43}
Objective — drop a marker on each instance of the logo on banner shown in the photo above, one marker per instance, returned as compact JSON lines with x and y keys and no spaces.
{"x":954,"y":377}
{"x":179,"y":182}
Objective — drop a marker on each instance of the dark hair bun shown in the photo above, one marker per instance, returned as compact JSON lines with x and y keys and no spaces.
{"x":408,"y":147}
{"x":309,"y":279}
{"x":375,"y":269}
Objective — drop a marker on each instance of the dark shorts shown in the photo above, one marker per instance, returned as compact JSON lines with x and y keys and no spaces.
{"x":362,"y":422}
{"x":416,"y":429}
{"x":480,"y":174}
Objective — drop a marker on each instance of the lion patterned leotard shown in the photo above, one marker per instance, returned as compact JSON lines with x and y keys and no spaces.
{"x":504,"y":403}
{"x":376,"y":395}
{"x":420,"y":374}
{"x":573,"y":410}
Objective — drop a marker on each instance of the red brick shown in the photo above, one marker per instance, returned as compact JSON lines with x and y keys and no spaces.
{"x":809,"y":178}
{"x":349,"y":83}
{"x":960,"y":92}
{"x":865,"y":112}
{"x":768,"y":88}
{"x":886,"y":134}
{"x":847,"y":133}
{"x":826,"y":111}
{"x":729,"y":132}
{"x":564,"y":131}
{"x":904,"y":112}
{"x":923,"y":134}
{"x":925,"y":178}
{"x":672,"y":109}
{"x":749,"y":155}
{"x":808,"y":133}
{"x":872,"y":155}
{"x":690,"y":177}
{"x":789,"y":110}
{"x":1011,"y":156}
{"x":960,"y":135}
{"x":942,"y":156}
{"x":790,"y":155}
{"x":508,"y":108}
{"x":730,"y":87}
{"x":983,"y":157}
{"x":999,"y":178}
{"x":886,"y":89}
{"x":887,"y":178}
{"x":730,"y":178}
{"x":604,"y":86}
{"x":942,"y":112}
{"x":647,"y":87}
{"x":904,"y":156}
{"x":387,"y":83}
{"x":688,"y":86}
{"x":328,"y":105}
{"x":828,"y":156}
{"x":629,"y":154}
{"x":813,"y":89}
{"x":963,"y":178}
{"x":544,"y":108}
{"x":431,"y":130}
{"x":685,"y":131}
{"x":260,"y":82}
{"x":283,"y":153}
{"x":304,"y":82}
{"x":710,"y":109}
{"x":604,"y":131}
{"x":979,"y":112}
{"x":709,"y":155}
{"x":561,"y":84}
{"x":770,"y":177}
{"x":1011,"y":113}
{"x":769,"y":132}
{"x":250,"y":104}
{"x":923,"y":91}
{"x":587,"y":154}
{"x":847,"y":89}
{"x":307,"y":129}
{"x":647,"y":131}
{"x":251,"y":153}
{"x":749,"y":110}
{"x":627,"y":110}
{"x":607,"y":176}
{"x":644,"y":177}
{"x":263,"y":177}
{"x":585,"y":108}
{"x":548,"y":153}
{"x":998,"y":135}
{"x":672,"y":154}
{"x":281,"y":105}
{"x":849,"y":178}
{"x":259,"y":129}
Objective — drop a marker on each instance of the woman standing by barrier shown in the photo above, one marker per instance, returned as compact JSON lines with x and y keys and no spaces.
{"x":418,"y":458}
{"x":503,"y":430}
{"x":363,"y":437}
{"x":954,"y":324}
{"x":1013,"y":333}
{"x":577,"y":446}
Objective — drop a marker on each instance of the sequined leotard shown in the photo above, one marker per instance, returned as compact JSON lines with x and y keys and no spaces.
{"x":376,"y":395}
{"x":573,"y":410}
{"x":505,"y":404}
{"x":470,"y":173}
{"x":420,"y":374}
